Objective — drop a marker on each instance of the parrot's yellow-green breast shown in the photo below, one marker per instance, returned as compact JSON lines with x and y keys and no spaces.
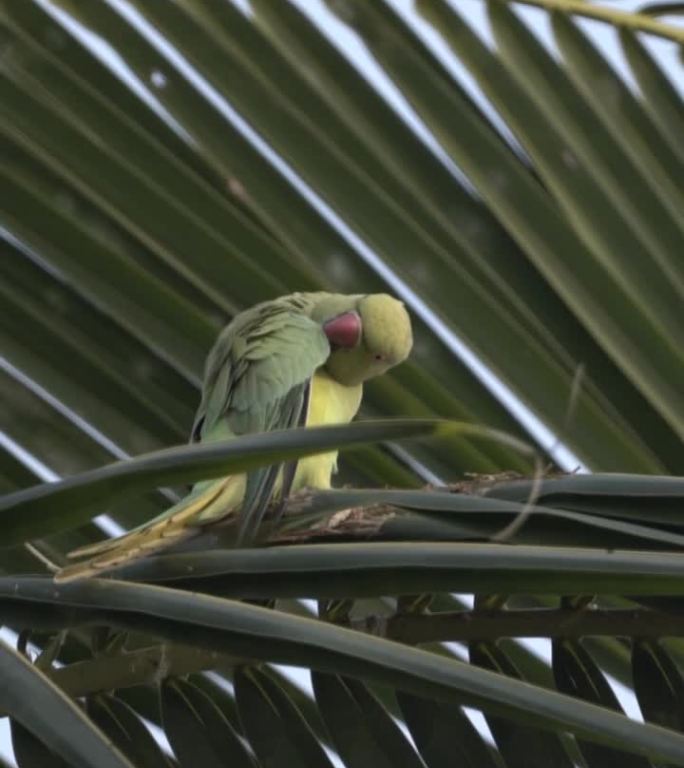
{"x":329,"y":403}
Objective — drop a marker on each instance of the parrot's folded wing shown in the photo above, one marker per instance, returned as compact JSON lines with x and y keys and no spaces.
{"x":257,"y":380}
{"x":261,"y":483}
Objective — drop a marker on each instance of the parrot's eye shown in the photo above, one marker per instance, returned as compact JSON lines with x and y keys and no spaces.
{"x":379,"y":357}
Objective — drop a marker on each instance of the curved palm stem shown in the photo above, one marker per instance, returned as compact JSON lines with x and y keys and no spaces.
{"x":637,"y":21}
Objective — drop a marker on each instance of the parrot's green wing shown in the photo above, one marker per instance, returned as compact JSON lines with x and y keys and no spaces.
{"x":257,"y":380}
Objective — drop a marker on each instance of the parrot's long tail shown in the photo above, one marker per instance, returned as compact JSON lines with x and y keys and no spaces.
{"x":173,"y":526}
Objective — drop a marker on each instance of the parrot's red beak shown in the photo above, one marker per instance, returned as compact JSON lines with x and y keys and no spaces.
{"x":343,"y":331}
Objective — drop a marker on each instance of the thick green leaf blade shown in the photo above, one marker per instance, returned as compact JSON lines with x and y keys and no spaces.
{"x":361,"y":730}
{"x":167,"y":396}
{"x":622,"y":114}
{"x":14,"y":474}
{"x":613,"y":486}
{"x":658,"y":685}
{"x":243,"y":629}
{"x":607,"y":230}
{"x":217,"y":692}
{"x":231,"y":32}
{"x":187,"y":731}
{"x":650,"y":237}
{"x":29,"y":752}
{"x":45,"y":430}
{"x":50,"y":507}
{"x":375,"y":569}
{"x":356,"y":103}
{"x":39,"y":352}
{"x":593,"y":219}
{"x":443,"y":733}
{"x":659,"y":94}
{"x":294,"y":708}
{"x":576,"y":674}
{"x":382,"y":726}
{"x":462,"y":509}
{"x":70,"y":92}
{"x":662,"y":9}
{"x":275,"y":728}
{"x":121,"y":287}
{"x":31,"y":19}
{"x":521,"y":746}
{"x":123,"y":726}
{"x":650,"y":499}
{"x":41,"y":707}
{"x":201,"y":718}
{"x":348,"y":733}
{"x":143,"y":206}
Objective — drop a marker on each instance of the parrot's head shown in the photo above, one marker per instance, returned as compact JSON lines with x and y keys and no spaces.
{"x":369,"y":336}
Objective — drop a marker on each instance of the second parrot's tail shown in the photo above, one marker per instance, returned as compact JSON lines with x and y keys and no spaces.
{"x":171,"y":527}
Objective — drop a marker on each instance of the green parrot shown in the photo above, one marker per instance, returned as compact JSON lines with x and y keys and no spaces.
{"x":297,"y":360}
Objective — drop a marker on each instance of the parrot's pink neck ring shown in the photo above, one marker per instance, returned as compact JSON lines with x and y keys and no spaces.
{"x":343,"y":331}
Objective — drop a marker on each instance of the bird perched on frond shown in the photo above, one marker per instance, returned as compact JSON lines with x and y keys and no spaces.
{"x":297,"y":360}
